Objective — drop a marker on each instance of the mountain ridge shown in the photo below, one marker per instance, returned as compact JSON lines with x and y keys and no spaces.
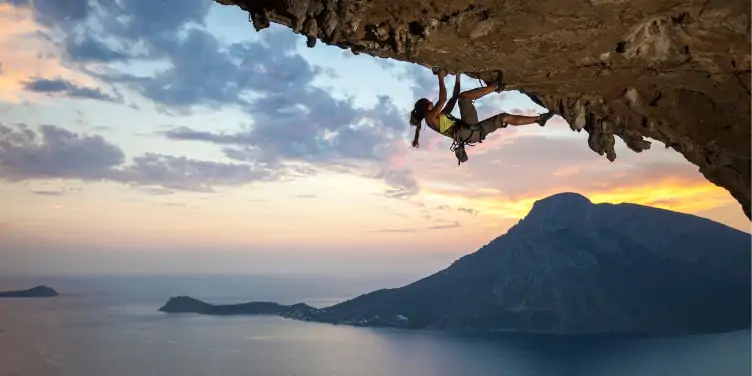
{"x":571,"y":266}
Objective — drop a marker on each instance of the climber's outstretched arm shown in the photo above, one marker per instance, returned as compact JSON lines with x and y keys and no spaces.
{"x":433,"y":114}
{"x":455,"y":95}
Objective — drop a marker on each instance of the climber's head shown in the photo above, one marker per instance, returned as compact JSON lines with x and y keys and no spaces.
{"x":422,"y":106}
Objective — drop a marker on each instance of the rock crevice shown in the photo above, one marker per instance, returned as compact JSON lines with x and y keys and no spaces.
{"x":676,"y":71}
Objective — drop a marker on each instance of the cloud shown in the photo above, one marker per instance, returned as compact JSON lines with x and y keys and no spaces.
{"x":188,"y":134}
{"x":419,"y":229}
{"x":17,"y":2}
{"x":291,"y":119}
{"x":423,"y":83}
{"x":468,"y":211}
{"x":88,"y":49}
{"x":25,"y":52}
{"x":109,"y":30}
{"x":67,"y":88}
{"x":187,"y":174}
{"x":47,"y":192}
{"x":385,"y":63}
{"x":54,"y":152}
{"x":57,"y":13}
{"x":93,"y":32}
{"x":52,"y":190}
{"x":157,"y":191}
{"x":203,"y":74}
{"x":444,"y":227}
{"x":401,"y":183}
{"x":302,"y":195}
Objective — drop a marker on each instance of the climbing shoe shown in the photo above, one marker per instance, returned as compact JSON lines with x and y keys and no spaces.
{"x":543,"y":118}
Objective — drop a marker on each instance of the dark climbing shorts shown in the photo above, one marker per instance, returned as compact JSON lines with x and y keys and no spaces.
{"x":469,"y":115}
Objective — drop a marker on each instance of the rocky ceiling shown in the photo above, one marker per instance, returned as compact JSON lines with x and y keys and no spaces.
{"x":670,"y":70}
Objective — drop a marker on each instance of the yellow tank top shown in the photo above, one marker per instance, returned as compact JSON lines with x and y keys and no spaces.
{"x":445,"y":123}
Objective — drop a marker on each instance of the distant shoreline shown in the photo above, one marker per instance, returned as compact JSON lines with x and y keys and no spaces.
{"x":306,"y":313}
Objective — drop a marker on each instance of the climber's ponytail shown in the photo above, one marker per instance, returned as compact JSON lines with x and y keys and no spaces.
{"x":419,"y":111}
{"x":417,"y":115}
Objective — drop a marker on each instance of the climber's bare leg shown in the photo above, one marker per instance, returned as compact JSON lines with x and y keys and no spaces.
{"x":518,"y":120}
{"x":503,"y":120}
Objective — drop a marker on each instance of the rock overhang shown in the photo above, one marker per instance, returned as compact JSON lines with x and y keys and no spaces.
{"x":673,"y":71}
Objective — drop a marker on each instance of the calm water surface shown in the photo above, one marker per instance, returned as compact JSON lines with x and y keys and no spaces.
{"x":110,"y":326}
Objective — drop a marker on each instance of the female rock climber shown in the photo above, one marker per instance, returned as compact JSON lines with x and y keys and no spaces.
{"x":466,"y":129}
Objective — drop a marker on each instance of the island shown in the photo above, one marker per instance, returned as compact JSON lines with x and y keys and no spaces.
{"x":568,"y":267}
{"x":34,"y":292}
{"x":186,"y":304}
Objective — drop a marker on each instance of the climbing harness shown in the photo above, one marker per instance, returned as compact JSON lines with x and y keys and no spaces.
{"x":458,"y":144}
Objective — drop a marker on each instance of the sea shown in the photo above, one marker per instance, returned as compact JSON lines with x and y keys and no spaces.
{"x":111,"y":326}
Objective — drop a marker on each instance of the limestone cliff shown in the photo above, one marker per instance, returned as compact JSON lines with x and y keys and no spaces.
{"x":677,"y":71}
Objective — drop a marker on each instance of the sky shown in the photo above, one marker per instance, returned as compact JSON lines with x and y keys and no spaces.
{"x":137,"y":136}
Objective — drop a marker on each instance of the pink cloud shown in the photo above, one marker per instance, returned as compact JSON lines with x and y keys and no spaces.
{"x":26,"y":55}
